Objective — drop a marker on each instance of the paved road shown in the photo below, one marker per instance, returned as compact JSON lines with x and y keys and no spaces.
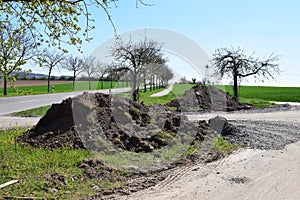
{"x":14,"y":104}
{"x":164,"y":92}
{"x":9,"y":105}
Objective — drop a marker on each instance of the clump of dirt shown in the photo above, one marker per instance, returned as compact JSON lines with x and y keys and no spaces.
{"x":107,"y":123}
{"x":207,"y":98}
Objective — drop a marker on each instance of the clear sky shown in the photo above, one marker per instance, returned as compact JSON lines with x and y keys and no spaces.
{"x":260,"y":26}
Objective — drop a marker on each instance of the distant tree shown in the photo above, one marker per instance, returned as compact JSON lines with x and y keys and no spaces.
{"x":116,"y":72}
{"x":183,"y":80}
{"x":49,"y":60}
{"x":193,"y":80}
{"x":74,"y":64}
{"x":102,"y":70}
{"x":90,"y":67}
{"x":137,"y":56}
{"x":237,"y":65}
{"x":56,"y":21}
{"x":16,"y":48}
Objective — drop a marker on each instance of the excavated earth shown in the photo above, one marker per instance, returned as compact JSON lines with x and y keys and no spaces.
{"x":207,"y":98}
{"x":82,"y":121}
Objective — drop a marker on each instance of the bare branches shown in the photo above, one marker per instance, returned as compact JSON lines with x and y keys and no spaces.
{"x":236,"y":64}
{"x":138,"y":58}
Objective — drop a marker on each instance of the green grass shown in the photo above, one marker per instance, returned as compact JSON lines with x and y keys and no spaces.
{"x":35,"y":112}
{"x":178,"y":90}
{"x":267,"y":93}
{"x":258,"y":103}
{"x":59,"y":88}
{"x":221,"y":145}
{"x":30,"y":165}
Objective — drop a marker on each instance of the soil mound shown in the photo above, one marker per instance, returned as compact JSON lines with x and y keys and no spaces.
{"x":108,"y":123}
{"x":207,"y":98}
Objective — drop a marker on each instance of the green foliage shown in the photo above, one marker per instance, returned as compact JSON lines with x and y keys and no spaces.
{"x":51,"y":22}
{"x":16,"y":49}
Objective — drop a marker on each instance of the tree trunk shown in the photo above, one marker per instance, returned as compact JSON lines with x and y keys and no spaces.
{"x":135,"y":90}
{"x":49,"y":77}
{"x":235,"y":85}
{"x":90,"y":87}
{"x":74,"y":77}
{"x":5,"y":86}
{"x":145,"y":84}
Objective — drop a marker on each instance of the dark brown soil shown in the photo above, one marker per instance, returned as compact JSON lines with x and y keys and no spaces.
{"x":82,"y":121}
{"x":207,"y":98}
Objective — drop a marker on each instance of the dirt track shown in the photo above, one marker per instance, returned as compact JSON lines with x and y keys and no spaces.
{"x":248,"y":173}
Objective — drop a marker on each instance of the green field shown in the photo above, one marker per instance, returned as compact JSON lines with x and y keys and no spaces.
{"x":80,"y":86}
{"x":281,"y":94}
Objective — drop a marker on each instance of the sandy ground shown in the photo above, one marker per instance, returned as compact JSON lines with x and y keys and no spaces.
{"x":246,"y":174}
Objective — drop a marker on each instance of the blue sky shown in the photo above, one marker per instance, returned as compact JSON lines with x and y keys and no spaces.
{"x":262,"y":27}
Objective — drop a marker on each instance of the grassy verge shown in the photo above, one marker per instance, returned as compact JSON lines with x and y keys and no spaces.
{"x":32,"y":166}
{"x":258,"y":103}
{"x":59,"y":88}
{"x":177,"y":91}
{"x":35,"y":112}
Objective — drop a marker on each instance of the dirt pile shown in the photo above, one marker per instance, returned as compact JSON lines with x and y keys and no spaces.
{"x":207,"y":98}
{"x":107,"y":123}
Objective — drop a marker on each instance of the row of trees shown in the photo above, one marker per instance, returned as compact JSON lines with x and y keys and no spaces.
{"x":141,"y":62}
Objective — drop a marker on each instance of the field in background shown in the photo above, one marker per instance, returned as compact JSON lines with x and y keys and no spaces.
{"x":280,"y":94}
{"x":40,"y":87}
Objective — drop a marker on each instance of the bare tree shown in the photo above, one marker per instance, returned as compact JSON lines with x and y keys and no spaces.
{"x":49,"y":60}
{"x":16,"y":48}
{"x":166,"y":75}
{"x":73,"y":64}
{"x":90,"y":67}
{"x":137,"y":56}
{"x":102,"y":71}
{"x":237,"y":65}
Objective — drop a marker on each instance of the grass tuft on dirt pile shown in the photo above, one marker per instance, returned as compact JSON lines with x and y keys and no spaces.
{"x":223,"y":146}
{"x":44,"y":173}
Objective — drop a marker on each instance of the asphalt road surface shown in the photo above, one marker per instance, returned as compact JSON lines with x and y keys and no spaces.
{"x":14,"y":104}
{"x":9,"y":105}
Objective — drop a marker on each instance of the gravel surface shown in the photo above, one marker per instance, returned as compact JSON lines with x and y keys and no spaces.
{"x":265,"y":134}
